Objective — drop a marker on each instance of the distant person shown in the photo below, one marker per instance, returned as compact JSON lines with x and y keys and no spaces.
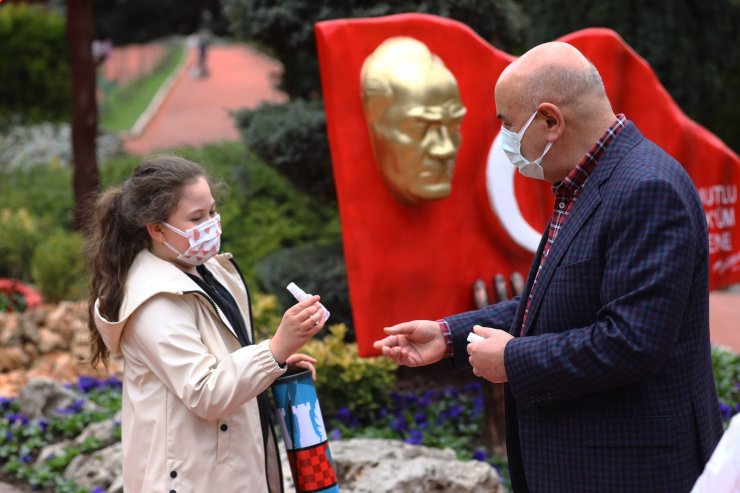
{"x":606,"y":355}
{"x":204,"y":39}
{"x":413,"y":110}
{"x":195,"y":415}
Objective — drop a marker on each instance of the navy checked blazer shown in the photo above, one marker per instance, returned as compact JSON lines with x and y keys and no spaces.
{"x":610,"y":385}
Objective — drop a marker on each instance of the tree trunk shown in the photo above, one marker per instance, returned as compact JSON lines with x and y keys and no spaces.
{"x":84,"y":108}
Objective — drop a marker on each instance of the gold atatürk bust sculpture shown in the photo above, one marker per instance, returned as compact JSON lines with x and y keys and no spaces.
{"x":413,"y":110}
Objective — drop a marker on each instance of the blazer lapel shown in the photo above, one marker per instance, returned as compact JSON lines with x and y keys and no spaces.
{"x":584,"y":206}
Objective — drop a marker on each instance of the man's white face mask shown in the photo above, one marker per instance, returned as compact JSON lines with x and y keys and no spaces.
{"x":512,"y":143}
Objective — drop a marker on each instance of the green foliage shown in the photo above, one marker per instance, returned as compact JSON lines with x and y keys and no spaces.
{"x":726,"y":367}
{"x":344,"y":379}
{"x":23,"y":439}
{"x":692,"y":45}
{"x":44,"y":190}
{"x":266,"y":315}
{"x":291,"y":138}
{"x":34,"y":65}
{"x":20,"y":233}
{"x":58,"y":267}
{"x":316,"y":269}
{"x":287,"y":27}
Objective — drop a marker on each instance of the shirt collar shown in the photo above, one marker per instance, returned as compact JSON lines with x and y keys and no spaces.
{"x":577,"y":177}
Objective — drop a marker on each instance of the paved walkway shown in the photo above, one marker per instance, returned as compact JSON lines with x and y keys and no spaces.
{"x":195,"y":111}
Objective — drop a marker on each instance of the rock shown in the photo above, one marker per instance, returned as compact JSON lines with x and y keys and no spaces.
{"x":10,"y":334}
{"x":379,"y":466}
{"x":42,"y":398}
{"x":52,"y":450}
{"x":49,"y":341}
{"x":99,"y":469}
{"x":103,"y":431}
{"x":12,"y":358}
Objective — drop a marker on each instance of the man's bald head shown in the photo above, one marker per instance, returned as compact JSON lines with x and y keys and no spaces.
{"x":563,"y":94}
{"x":555,"y":72}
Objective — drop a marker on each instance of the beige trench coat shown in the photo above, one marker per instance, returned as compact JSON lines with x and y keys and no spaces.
{"x":190,"y":421}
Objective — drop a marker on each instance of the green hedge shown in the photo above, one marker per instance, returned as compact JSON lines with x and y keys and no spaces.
{"x":34,"y":63}
{"x":291,"y":138}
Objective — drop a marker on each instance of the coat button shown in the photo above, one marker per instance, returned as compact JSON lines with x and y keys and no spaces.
{"x":224,"y":427}
{"x":173,"y":491}
{"x":173,"y":474}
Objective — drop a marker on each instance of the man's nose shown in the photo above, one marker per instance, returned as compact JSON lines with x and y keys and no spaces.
{"x":438,"y":142}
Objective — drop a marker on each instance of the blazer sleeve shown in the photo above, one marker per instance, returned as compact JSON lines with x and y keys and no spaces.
{"x":497,"y":316}
{"x":652,"y":249}
{"x":163,"y":336}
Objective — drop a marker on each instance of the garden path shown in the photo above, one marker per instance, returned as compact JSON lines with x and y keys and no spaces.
{"x":194,"y":111}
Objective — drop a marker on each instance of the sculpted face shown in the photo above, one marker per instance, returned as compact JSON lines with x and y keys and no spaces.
{"x":413,"y":109}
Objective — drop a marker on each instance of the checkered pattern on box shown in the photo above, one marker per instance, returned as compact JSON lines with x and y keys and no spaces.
{"x":312,"y":470}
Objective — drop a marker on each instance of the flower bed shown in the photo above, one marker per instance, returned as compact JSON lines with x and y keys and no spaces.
{"x":16,"y":296}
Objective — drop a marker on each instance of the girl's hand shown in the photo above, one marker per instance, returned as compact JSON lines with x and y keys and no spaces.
{"x":299,"y":360}
{"x":300,"y":322}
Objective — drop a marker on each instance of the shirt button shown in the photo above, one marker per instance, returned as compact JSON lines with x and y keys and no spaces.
{"x":173,"y":474}
{"x":224,"y":427}
{"x":561,"y":205}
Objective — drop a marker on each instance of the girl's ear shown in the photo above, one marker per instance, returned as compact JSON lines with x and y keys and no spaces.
{"x":155,"y":232}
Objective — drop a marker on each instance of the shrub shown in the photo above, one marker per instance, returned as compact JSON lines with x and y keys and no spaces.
{"x":44,"y":190}
{"x":20,"y":233}
{"x":291,"y":138}
{"x":726,"y":366}
{"x":34,"y":64}
{"x":266,"y":315}
{"x":58,"y":267}
{"x":317,"y":269}
{"x":342,"y":375}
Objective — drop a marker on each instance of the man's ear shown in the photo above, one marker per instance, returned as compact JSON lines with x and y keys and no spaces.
{"x":155,"y":232}
{"x":554,"y":120}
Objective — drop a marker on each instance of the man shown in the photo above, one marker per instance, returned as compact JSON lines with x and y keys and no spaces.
{"x":413,"y":109}
{"x":606,"y":355}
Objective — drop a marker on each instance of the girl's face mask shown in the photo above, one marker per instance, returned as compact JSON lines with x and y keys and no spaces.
{"x":204,"y":240}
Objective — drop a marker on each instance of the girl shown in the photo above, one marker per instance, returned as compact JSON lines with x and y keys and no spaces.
{"x":195,"y":415}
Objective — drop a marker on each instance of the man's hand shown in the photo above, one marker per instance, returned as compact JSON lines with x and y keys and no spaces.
{"x":416,"y":343}
{"x":487,"y":356}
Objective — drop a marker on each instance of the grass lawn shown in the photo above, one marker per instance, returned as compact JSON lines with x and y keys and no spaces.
{"x":123,"y":105}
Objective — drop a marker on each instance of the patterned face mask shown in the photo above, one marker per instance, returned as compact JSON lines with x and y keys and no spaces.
{"x":204,"y":240}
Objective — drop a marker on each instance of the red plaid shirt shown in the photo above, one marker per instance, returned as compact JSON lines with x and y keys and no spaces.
{"x":566,"y":193}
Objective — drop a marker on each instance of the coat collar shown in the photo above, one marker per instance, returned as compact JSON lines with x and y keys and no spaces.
{"x":148,"y":276}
